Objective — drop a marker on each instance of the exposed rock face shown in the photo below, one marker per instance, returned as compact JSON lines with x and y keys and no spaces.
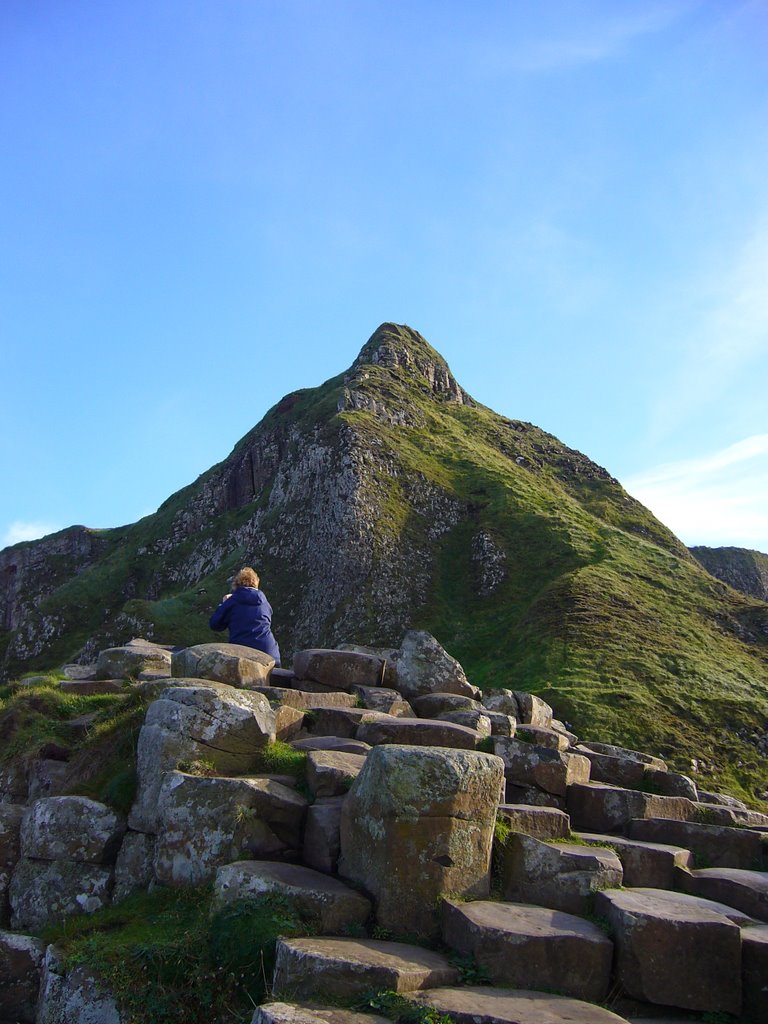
{"x":21,"y":962}
{"x":76,"y":996}
{"x":43,"y":891}
{"x":740,"y":568}
{"x":71,"y":828}
{"x":416,"y":825}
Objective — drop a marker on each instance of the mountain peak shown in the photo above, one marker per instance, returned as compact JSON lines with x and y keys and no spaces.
{"x":399,"y":347}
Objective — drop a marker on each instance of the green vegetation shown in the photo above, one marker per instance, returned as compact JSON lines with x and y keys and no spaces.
{"x":169,"y":960}
{"x":401,"y":1010}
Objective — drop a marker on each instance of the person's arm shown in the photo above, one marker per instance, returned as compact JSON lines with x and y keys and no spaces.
{"x":218,"y":621}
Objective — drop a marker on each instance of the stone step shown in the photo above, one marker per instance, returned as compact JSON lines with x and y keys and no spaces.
{"x":417,"y":732}
{"x":331,"y":772}
{"x":560,"y":876}
{"x":336,"y":906}
{"x":754,"y":973}
{"x":88,"y":687}
{"x":675,"y":950}
{"x":303,"y":701}
{"x":477,"y":720}
{"x":716,"y":814}
{"x":718,"y":846}
{"x":382,"y":698}
{"x":342,"y":669}
{"x":648,"y":865}
{"x":337,"y":968}
{"x":303,"y":1013}
{"x":539,"y":948}
{"x":342,"y":722}
{"x":745,"y":890}
{"x":595,"y":807}
{"x":344,"y":745}
{"x":541,"y":737}
{"x":527,"y":764}
{"x":634,"y":755}
{"x":477,"y":1004}
{"x":539,"y":822}
{"x":433,"y":704}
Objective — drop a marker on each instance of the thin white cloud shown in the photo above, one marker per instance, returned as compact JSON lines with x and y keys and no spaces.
{"x":593,"y":42}
{"x":719,"y":499}
{"x":19,"y":531}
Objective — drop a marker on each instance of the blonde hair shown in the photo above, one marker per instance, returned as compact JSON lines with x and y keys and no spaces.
{"x":247,"y":577}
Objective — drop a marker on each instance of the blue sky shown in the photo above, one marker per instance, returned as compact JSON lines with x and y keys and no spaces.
{"x":206,"y":204}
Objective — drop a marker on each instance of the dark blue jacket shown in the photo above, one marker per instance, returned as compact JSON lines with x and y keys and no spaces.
{"x":248,"y":614}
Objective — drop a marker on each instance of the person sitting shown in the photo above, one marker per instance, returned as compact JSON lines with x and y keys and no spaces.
{"x":248,"y":615}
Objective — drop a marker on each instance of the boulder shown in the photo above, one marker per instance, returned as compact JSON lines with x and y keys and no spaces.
{"x":532,"y":710}
{"x":560,"y":876}
{"x":134,"y":867}
{"x":501,"y":724}
{"x":754,"y":973}
{"x":521,"y":946}
{"x":416,"y":825}
{"x":475,"y":720}
{"x":207,"y":822}
{"x":636,"y":755}
{"x":422,"y":666}
{"x":331,"y":773}
{"x":342,"y":722}
{"x":75,"y":996}
{"x":646,"y":865}
{"x":340,"y":743}
{"x":342,"y":669}
{"x":343,"y":969}
{"x":669,"y":784}
{"x":744,"y":890}
{"x":539,"y":822}
{"x":714,"y":845}
{"x":595,"y":807}
{"x":542,"y":737}
{"x":550,"y":770}
{"x":71,"y":828}
{"x":125,"y":662}
{"x":432,"y":705}
{"x":42,"y":892}
{"x":233,"y":664}
{"x":301,"y":1013}
{"x":501,"y":700}
{"x":322,"y":839}
{"x":717,"y":814}
{"x":626,"y":772}
{"x":336,"y":907}
{"x":419,"y":732}
{"x":477,"y":1004}
{"x":380,"y":698}
{"x":21,"y":964}
{"x":673,"y":952}
{"x":195,"y":721}
{"x":534,"y":797}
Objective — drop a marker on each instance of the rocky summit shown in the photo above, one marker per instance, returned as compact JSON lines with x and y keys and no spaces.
{"x":389,"y":499}
{"x":277,"y":858}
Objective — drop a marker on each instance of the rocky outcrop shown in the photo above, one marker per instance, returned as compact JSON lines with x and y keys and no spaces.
{"x":740,"y":568}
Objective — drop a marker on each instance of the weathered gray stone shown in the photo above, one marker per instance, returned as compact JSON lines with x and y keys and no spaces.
{"x":207,"y":822}
{"x":426,"y":732}
{"x":561,"y":876}
{"x":13,"y":783}
{"x":475,"y":720}
{"x":11,"y":816}
{"x":432,"y":705}
{"x":71,"y":828}
{"x":300,"y":1013}
{"x":715,"y":845}
{"x":79,"y":671}
{"x":331,"y":772}
{"x":637,"y":755}
{"x":336,"y":907}
{"x":416,"y":825}
{"x":134,"y":867}
{"x":648,"y":865}
{"x":342,"y":669}
{"x":551,"y":770}
{"x":534,"y":797}
{"x":669,"y":783}
{"x":532,"y":710}
{"x":342,"y":722}
{"x":87,"y":687}
{"x":344,"y":968}
{"x":233,"y":664}
{"x":42,"y":892}
{"x":381,"y":698}
{"x":595,"y":807}
{"x":744,"y":890}
{"x":21,"y":964}
{"x":717,"y":814}
{"x":305,"y":701}
{"x":501,"y":724}
{"x":501,"y":700}
{"x":539,"y":822}
{"x":341,"y":743}
{"x":476,"y":1004}
{"x":322,"y":840}
{"x":76,"y":996}
{"x":47,"y":777}
{"x":197,"y":721}
{"x":521,"y":946}
{"x":723,"y":799}
{"x":626,"y":772}
{"x":542,"y":737}
{"x":754,"y":974}
{"x":422,"y":666}
{"x":122,"y":662}
{"x":288,"y":723}
{"x":674,"y":952}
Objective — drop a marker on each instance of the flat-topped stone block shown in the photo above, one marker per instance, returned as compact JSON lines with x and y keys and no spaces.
{"x":122,"y":662}
{"x":87,"y":687}
{"x":542,"y":737}
{"x":475,"y":720}
{"x":674,"y":952}
{"x":530,"y":946}
{"x":539,"y":822}
{"x":384,"y":699}
{"x":343,"y":744}
{"x":42,"y":892}
{"x":636,"y":755}
{"x":560,"y":876}
{"x":595,"y":807}
{"x":553,"y":771}
{"x":71,"y":828}
{"x":430,"y":705}
{"x":304,"y":701}
{"x":650,"y":865}
{"x":345,"y":968}
{"x":303,"y":1013}
{"x":343,"y":669}
{"x":754,"y":974}
{"x":21,"y":965}
{"x":420,"y":732}
{"x":331,"y":772}
{"x":738,"y":817}
{"x":745,"y":890}
{"x":716,"y":845}
{"x":342,"y":722}
{"x":476,"y":1004}
{"x":335,"y":905}
{"x":233,"y":664}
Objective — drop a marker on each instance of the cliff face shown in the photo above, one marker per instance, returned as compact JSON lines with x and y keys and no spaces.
{"x":388,"y":499}
{"x":740,"y":568}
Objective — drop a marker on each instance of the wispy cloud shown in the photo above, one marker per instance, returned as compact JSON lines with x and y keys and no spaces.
{"x":718,"y":499}
{"x":20,"y":530}
{"x":591,"y":42}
